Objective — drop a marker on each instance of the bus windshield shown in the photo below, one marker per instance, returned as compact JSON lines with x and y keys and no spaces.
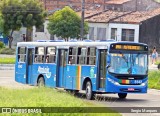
{"x":128,"y":63}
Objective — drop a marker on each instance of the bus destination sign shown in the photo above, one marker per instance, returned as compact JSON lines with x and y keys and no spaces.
{"x":129,"y":47}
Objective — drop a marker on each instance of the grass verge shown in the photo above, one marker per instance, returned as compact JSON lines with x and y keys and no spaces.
{"x":47,"y":97}
{"x":7,"y":60}
{"x":8,"y":51}
{"x":154,"y":79}
{"x":157,"y":1}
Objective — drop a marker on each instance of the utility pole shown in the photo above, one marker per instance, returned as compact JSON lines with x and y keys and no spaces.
{"x":82,"y":19}
{"x":136,"y":5}
{"x":45,"y":4}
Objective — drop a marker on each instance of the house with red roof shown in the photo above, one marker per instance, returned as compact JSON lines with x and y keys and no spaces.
{"x":137,"y":26}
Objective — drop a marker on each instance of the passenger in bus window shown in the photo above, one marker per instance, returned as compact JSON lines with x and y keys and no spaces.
{"x":35,"y":59}
{"x":70,"y":60}
{"x":47,"y":59}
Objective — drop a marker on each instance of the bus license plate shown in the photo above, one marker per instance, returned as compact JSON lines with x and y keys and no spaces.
{"x":130,"y":89}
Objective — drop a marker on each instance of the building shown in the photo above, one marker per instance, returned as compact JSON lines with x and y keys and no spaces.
{"x":131,"y":5}
{"x":119,"y":5}
{"x":139,"y":26}
{"x":102,"y":27}
{"x":128,"y":21}
{"x":42,"y":34}
{"x":52,"y":5}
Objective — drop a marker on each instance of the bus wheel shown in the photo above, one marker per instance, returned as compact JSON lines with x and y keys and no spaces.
{"x":89,"y":92}
{"x":41,"y":82}
{"x":122,"y":95}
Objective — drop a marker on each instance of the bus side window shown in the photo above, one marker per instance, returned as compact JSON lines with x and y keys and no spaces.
{"x":51,"y":55}
{"x":21,"y":54}
{"x":92,"y":59}
{"x":39,"y":55}
{"x":81,"y":55}
{"x":91,"y":56}
{"x":72,"y":55}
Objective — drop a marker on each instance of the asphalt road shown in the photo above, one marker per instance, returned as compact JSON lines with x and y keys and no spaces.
{"x":151,"y":99}
{"x":7,"y":80}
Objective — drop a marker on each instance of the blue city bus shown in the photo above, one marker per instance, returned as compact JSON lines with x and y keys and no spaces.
{"x":95,"y":67}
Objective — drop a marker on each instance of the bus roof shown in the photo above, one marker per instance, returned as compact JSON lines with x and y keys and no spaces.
{"x":74,"y":44}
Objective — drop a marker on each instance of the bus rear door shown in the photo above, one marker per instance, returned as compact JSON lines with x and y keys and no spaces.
{"x":61,"y":67}
{"x":101,"y":72}
{"x":29,"y":64}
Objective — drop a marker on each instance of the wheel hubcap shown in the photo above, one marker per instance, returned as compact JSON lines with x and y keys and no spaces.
{"x":88,"y":90}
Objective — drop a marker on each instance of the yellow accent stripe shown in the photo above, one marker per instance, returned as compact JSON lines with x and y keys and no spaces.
{"x":127,"y":81}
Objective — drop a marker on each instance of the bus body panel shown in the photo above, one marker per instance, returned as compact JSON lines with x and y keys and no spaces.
{"x":71,"y":73}
{"x":73,"y":77}
{"x":90,"y":72}
{"x":20,"y":74}
{"x":69,"y":80}
{"x":76,"y":74}
{"x":47,"y":70}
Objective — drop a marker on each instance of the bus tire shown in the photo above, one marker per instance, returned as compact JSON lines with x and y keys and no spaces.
{"x":89,"y":92}
{"x":122,"y":95}
{"x":41,"y":82}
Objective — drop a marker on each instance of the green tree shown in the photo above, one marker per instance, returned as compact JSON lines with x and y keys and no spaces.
{"x":34,"y":15}
{"x":1,"y":24}
{"x":66,"y":23}
{"x":21,"y":13}
{"x":12,"y":18}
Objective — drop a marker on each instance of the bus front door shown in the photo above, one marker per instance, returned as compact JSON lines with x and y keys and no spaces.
{"x":101,"y":77}
{"x":61,"y":66}
{"x":29,"y":63}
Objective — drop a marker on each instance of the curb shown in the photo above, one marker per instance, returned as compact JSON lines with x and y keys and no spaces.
{"x":7,"y":65}
{"x":7,"y":68}
{"x":7,"y":56}
{"x":154,"y":90}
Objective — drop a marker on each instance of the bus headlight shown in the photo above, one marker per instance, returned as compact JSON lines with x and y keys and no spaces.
{"x":112,"y":81}
{"x":116,"y":83}
{"x":144,"y":84}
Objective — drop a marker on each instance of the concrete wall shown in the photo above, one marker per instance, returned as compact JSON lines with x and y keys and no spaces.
{"x":98,"y":25}
{"x":124,"y":26}
{"x":17,"y":36}
{"x":41,"y":35}
{"x":134,"y":5}
{"x":119,"y":30}
{"x":150,"y":32}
